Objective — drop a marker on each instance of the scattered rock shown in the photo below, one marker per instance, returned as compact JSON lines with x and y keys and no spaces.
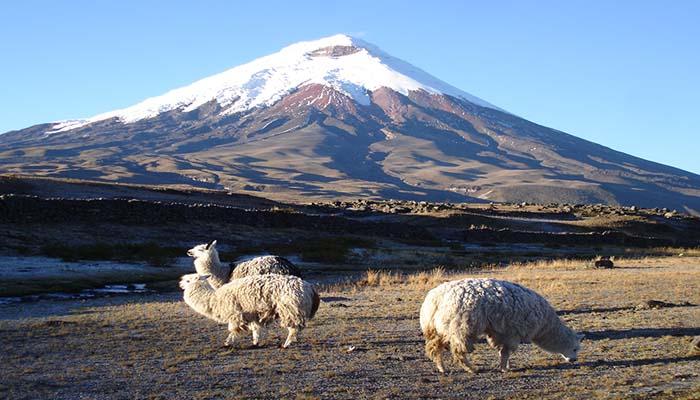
{"x":658,"y":304}
{"x":58,"y":323}
{"x":604,"y":262}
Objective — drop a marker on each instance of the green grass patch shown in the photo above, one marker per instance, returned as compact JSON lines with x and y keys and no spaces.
{"x":149,"y":252}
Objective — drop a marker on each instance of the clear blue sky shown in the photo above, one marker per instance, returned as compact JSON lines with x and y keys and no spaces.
{"x":625,"y":74}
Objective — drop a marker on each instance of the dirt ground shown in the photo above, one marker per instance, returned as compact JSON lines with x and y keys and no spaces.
{"x":155,"y":347}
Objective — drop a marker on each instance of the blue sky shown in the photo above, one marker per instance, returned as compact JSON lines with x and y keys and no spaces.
{"x":625,"y":74}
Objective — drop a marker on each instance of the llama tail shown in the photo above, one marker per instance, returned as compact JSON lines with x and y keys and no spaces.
{"x":315,"y":304}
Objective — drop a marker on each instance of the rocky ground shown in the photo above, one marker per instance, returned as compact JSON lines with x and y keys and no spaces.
{"x":83,"y":222}
{"x":365,"y":342}
{"x":30,"y":207}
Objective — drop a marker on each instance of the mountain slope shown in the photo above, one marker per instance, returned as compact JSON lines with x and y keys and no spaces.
{"x":340,"y":118}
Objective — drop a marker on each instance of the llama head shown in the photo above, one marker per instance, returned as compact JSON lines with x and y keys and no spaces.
{"x":203,"y":250}
{"x":190,"y":279}
{"x":571,"y":353}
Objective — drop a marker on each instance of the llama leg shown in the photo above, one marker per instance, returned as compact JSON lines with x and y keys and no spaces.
{"x":503,"y":350}
{"x":505,"y":353}
{"x":255,"y":329}
{"x":434,"y":348}
{"x":461,"y":360}
{"x":437,"y":358}
{"x":291,"y":337}
{"x":504,"y":365}
{"x":459,"y":354}
{"x":231,"y":335}
{"x":470,"y":345}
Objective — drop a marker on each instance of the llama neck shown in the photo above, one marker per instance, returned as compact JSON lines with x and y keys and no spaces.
{"x":199,"y":297}
{"x":211,"y":265}
{"x":556,"y":337}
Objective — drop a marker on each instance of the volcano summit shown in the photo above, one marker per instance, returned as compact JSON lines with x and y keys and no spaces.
{"x":340,"y":118}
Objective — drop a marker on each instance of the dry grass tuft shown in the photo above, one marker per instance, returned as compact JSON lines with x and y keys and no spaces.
{"x":384,"y":278}
{"x":561,"y":264}
{"x":380,"y":278}
{"x":156,"y":347}
{"x":678,"y":251}
{"x":427,"y":278}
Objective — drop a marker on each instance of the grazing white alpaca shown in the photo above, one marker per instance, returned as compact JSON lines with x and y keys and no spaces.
{"x":456,"y":313}
{"x":249,"y":303}
{"x":206,"y":262}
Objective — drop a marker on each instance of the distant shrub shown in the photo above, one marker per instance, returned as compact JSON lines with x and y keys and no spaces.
{"x":332,"y":250}
{"x":420,"y":279}
{"x":381,"y":278}
{"x":456,"y":246}
{"x":421,"y":241}
{"x":427,"y":278}
{"x":22,"y":250}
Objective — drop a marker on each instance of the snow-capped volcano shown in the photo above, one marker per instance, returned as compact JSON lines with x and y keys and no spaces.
{"x":338,"y":117}
{"x":349,"y":65}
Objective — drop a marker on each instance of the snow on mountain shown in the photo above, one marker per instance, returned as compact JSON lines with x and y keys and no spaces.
{"x":349,"y":65}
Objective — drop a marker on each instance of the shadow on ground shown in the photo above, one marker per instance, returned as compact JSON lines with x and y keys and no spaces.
{"x":640,"y":332}
{"x":611,"y":363}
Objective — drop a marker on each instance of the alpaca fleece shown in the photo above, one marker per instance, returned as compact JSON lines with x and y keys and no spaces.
{"x":254,"y":301}
{"x":265,"y":265}
{"x":455,"y":314}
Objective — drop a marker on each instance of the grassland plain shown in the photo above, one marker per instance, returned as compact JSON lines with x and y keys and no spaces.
{"x":155,"y":347}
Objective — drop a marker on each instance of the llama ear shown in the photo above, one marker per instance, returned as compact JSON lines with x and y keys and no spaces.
{"x":210,"y":245}
{"x":204,"y":277}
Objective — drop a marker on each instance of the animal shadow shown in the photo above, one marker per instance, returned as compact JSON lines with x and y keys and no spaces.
{"x":330,"y":299}
{"x":640,"y":332}
{"x":650,"y":304}
{"x":593,"y":310}
{"x":610,"y":363}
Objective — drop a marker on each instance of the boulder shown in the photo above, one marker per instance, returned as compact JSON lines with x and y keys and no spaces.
{"x":604,"y":262}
